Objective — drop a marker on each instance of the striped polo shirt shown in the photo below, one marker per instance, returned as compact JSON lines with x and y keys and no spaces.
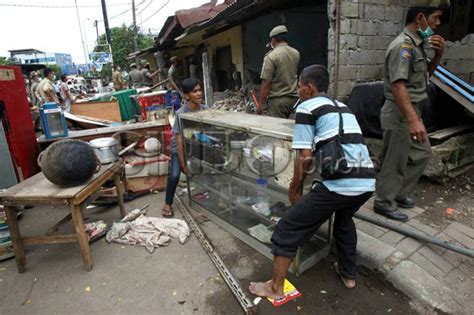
{"x":317,"y":122}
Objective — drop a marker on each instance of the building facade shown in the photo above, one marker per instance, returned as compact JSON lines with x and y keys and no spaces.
{"x":235,"y":38}
{"x":34,"y":56}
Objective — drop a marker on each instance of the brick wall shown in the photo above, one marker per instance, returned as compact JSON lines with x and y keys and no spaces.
{"x":367,"y":28}
{"x":459,"y":58}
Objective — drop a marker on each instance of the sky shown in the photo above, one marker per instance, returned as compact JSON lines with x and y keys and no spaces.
{"x":56,"y":30}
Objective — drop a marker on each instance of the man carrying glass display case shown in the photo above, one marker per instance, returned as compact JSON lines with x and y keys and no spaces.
{"x":321,"y":125}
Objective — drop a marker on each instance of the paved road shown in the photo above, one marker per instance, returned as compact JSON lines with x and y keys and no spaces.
{"x":177,"y":279}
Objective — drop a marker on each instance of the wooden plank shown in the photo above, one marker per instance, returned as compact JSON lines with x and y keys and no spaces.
{"x":101,"y":110}
{"x":40,"y":188}
{"x":207,"y":70}
{"x":56,"y":227}
{"x":96,"y":185}
{"x":86,"y":135}
{"x":75,"y":121}
{"x":146,"y":184}
{"x":50,"y":239}
{"x":469,"y":106}
{"x":16,"y":238}
{"x":441,"y":135}
{"x":119,"y":188}
{"x":82,"y":237}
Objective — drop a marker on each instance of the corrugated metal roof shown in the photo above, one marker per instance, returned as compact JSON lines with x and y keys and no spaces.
{"x":206,"y":11}
{"x":182,"y":19}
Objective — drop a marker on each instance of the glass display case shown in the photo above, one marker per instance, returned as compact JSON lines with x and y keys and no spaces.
{"x":240,"y":167}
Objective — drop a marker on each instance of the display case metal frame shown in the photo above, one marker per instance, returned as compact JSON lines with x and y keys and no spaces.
{"x":276,"y":128}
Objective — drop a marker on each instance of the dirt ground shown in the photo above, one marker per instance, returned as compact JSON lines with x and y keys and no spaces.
{"x":322,"y":291}
{"x":177,"y":279}
{"x":457,"y":193}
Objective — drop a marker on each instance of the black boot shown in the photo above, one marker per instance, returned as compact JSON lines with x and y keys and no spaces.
{"x":394,"y":215}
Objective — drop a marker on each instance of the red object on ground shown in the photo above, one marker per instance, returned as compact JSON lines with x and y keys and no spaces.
{"x":17,"y":122}
{"x":449,"y":212}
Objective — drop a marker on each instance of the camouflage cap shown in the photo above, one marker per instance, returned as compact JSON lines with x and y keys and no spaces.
{"x":436,"y":4}
{"x":133,"y":64}
{"x":277,"y":30}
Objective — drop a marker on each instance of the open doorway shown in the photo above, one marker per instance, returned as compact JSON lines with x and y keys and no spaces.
{"x":224,"y":67}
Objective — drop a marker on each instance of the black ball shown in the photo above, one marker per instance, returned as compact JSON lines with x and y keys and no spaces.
{"x":68,"y":163}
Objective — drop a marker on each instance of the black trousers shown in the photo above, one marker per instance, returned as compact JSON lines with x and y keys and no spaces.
{"x":306,"y":217}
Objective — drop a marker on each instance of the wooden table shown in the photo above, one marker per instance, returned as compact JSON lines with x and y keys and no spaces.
{"x":38,"y":190}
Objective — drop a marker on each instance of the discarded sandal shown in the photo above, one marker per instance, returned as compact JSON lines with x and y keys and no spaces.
{"x":167,"y":213}
{"x":349,"y":283}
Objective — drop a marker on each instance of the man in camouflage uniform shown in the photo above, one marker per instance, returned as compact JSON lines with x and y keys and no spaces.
{"x":406,"y":148}
{"x":173,"y":70}
{"x":35,"y":80}
{"x":117,"y":79}
{"x":135,"y":77}
{"x":279,"y":75}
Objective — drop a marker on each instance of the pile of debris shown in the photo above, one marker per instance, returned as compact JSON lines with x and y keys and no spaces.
{"x":234,"y":101}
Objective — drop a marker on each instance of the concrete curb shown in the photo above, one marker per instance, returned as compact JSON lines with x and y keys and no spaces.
{"x":404,"y":274}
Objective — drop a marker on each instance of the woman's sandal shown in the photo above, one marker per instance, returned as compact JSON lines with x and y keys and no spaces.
{"x":167,"y":213}
{"x":349,"y":283}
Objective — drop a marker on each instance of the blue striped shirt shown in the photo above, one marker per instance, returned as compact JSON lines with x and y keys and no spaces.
{"x":317,"y":121}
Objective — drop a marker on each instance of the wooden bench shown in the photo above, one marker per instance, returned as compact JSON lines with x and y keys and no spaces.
{"x":38,"y":190}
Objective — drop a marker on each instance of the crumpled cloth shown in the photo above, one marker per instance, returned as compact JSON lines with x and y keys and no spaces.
{"x":150,"y":232}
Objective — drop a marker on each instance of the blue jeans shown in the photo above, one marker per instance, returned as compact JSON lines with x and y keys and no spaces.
{"x":173,"y":179}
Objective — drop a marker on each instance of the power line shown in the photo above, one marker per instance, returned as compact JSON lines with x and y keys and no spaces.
{"x":156,"y":12}
{"x":144,"y":8}
{"x":117,"y":15}
{"x":57,"y":6}
{"x":121,"y":13}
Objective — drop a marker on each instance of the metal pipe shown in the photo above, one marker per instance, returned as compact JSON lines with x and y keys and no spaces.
{"x":417,"y":235}
{"x":456,"y":79}
{"x":232,"y":282}
{"x":454,"y":86}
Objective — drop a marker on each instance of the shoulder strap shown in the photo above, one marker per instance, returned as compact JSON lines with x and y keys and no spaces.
{"x":341,"y":127}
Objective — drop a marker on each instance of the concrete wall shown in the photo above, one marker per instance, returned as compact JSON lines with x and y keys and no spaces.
{"x":367,"y":28}
{"x":308,"y":33}
{"x":187,"y":46}
{"x":459,"y":58}
{"x":231,"y":37}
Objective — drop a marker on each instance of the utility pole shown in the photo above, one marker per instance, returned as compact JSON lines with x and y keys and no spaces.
{"x":82,"y":36}
{"x":106,"y":22}
{"x":135,"y":35}
{"x":107,"y":29}
{"x":96,"y":25}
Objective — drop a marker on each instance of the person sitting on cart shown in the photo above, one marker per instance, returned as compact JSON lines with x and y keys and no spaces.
{"x":192,"y":89}
{"x":318,"y":122}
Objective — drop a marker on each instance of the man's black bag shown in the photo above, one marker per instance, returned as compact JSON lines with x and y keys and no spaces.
{"x":329,"y":155}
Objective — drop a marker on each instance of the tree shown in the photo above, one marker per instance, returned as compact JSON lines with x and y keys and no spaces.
{"x":7,"y":61}
{"x":56,"y":69}
{"x":122,"y":43}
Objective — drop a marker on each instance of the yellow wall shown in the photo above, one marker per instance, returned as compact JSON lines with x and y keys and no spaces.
{"x":232,"y":37}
